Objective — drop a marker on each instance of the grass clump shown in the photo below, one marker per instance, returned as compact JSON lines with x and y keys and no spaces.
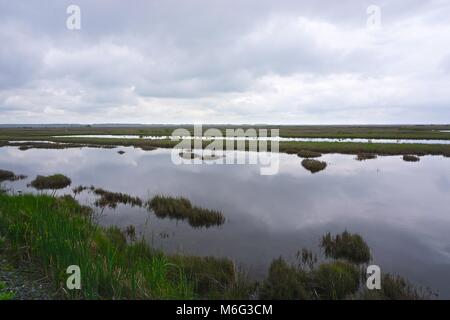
{"x":285,"y":282}
{"x":308,"y":154}
{"x":6,"y":175}
{"x":112,"y":199}
{"x":314,"y":165}
{"x":53,"y":182}
{"x":211,"y":275}
{"x":351,"y":247}
{"x":335,"y":280}
{"x":365,"y":156}
{"x":395,"y":287}
{"x":410,"y":158}
{"x":338,"y":279}
{"x":55,"y":236}
{"x":181,"y":208}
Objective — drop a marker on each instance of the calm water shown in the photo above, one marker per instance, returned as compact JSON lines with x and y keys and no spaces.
{"x":355,"y":140}
{"x":400,"y":208}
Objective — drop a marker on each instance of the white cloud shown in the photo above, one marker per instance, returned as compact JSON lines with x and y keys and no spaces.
{"x":290,"y":62}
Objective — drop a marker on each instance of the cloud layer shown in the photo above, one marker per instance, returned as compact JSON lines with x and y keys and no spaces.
{"x":217,"y":61}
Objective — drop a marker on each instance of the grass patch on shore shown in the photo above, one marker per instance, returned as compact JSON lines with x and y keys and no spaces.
{"x":181,"y":208}
{"x":56,"y":234}
{"x":410,"y":158}
{"x":309,"y":154}
{"x":314,"y":165}
{"x":52,"y":182}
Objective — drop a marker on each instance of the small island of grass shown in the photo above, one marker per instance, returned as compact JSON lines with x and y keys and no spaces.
{"x":182,"y":209}
{"x":52,"y":182}
{"x":365,"y":156}
{"x":410,"y":158}
{"x":314,"y":165}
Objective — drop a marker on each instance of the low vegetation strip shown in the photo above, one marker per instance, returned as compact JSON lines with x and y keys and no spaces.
{"x":309,"y":154}
{"x":41,"y":137}
{"x":182,"y":209}
{"x":111,"y":199}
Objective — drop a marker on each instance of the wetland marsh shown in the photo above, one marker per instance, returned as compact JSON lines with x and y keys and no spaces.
{"x":401,"y":209}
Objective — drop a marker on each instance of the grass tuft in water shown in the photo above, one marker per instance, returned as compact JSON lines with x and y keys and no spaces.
{"x":111,"y":199}
{"x":351,"y":247}
{"x":395,"y":287}
{"x":53,"y":182}
{"x":6,"y":175}
{"x":308,"y":154}
{"x":410,"y":158}
{"x":181,"y":208}
{"x":55,"y":233}
{"x":314,"y":165}
{"x":365,"y":156}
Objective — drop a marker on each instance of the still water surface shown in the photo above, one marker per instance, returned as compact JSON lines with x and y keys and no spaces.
{"x":402,"y":209}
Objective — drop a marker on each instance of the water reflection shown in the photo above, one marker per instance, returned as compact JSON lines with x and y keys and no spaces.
{"x":400,"y":208}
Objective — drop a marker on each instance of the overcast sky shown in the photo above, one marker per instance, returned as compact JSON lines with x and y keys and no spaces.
{"x":211,"y":61}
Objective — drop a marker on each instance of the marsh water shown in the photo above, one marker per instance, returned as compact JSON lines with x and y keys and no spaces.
{"x":402,"y":209}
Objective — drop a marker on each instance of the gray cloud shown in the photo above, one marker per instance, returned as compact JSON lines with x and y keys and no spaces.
{"x":224,"y":61}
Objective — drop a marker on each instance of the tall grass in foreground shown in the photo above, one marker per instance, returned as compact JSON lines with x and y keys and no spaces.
{"x":57,"y":233}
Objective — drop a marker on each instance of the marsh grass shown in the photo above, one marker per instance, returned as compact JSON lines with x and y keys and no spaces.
{"x":112,"y":199}
{"x":55,"y":233}
{"x":52,"y":182}
{"x":334,"y":280}
{"x":313,"y":165}
{"x":342,"y":278}
{"x":348,"y":246}
{"x":308,"y":154}
{"x":410,"y":158}
{"x":181,"y":209}
{"x":6,"y":175}
{"x":395,"y":287}
{"x":365,"y":156}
